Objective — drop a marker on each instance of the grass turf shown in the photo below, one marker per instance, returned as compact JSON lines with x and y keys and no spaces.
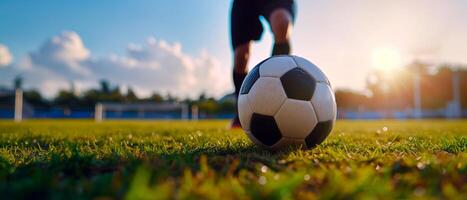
{"x":184,"y":160}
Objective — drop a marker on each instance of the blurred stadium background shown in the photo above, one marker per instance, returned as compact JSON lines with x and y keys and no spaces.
{"x":419,"y":90}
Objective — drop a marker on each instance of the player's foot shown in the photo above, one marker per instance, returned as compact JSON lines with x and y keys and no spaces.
{"x":235,"y":123}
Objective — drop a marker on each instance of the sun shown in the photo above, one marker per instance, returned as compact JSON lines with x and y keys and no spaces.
{"x":386,"y":58}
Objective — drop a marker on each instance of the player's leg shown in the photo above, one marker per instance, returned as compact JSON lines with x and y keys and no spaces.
{"x":280,"y":14}
{"x":240,"y":70}
{"x":241,"y":57}
{"x":280,"y":21}
{"x":245,"y":27}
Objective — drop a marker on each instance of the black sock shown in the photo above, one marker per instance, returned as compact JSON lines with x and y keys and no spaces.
{"x":238,"y":80}
{"x":281,"y":48}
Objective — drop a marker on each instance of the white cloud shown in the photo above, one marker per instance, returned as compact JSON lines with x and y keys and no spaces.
{"x":63,"y":54}
{"x":5,"y":56}
{"x":164,"y":67}
{"x":155,"y":65}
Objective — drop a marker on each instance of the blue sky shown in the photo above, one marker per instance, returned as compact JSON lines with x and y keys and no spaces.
{"x":109,"y":25}
{"x":127,"y":41}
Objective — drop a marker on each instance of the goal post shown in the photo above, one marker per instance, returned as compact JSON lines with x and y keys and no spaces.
{"x":18,"y":105}
{"x":194,"y":112}
{"x":98,"y":113}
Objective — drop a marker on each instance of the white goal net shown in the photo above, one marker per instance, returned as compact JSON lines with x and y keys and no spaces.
{"x":141,"y":111}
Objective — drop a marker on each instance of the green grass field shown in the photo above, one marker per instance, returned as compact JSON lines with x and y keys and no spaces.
{"x":202,"y":160}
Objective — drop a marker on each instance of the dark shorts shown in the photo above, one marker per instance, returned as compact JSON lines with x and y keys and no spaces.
{"x":245,"y":24}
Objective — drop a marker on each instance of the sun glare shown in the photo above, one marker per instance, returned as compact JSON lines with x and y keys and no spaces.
{"x":386,"y":59}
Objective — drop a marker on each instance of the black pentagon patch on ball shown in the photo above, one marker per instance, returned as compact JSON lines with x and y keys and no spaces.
{"x":265,"y":129}
{"x":298,"y":84}
{"x":319,"y":133}
{"x":250,"y":80}
{"x":252,"y":77}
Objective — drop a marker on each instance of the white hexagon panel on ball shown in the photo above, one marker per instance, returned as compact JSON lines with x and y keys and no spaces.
{"x":324,"y":102}
{"x":266,"y":96}
{"x":276,"y":66}
{"x":244,"y":111}
{"x":296,"y":119}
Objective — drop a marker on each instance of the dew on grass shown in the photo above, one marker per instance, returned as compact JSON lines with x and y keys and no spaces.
{"x":264,"y":168}
{"x":378,"y":167}
{"x":420,"y":165}
{"x":316,"y":161}
{"x":199,"y":133}
{"x":377,"y":143}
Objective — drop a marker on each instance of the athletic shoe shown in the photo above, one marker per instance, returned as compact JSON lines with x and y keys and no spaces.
{"x":235,"y":123}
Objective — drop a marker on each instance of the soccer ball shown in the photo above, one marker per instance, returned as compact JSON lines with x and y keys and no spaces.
{"x":284,"y":101}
